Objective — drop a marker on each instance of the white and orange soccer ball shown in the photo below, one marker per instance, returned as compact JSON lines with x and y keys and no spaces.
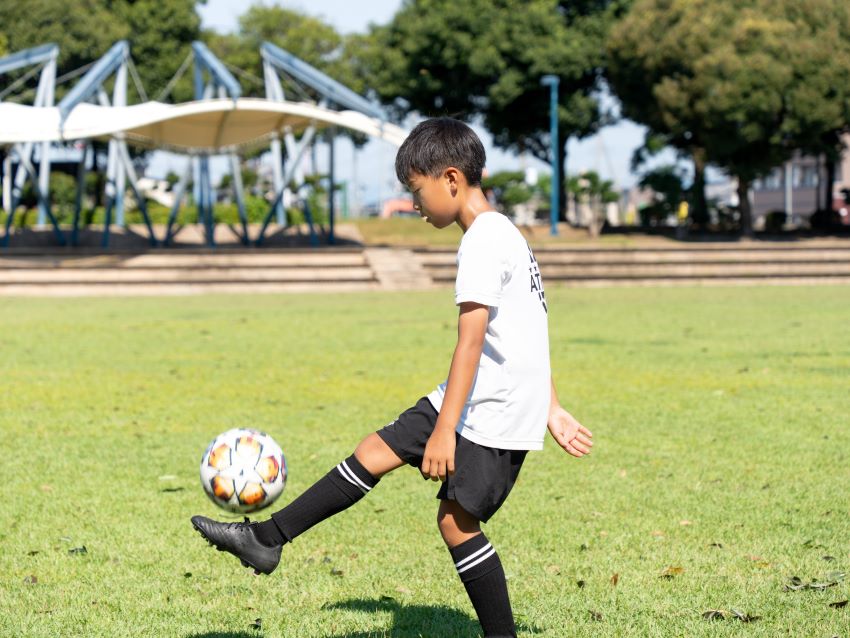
{"x":243,"y":470}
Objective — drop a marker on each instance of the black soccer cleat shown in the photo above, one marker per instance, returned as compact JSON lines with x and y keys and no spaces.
{"x":239,"y":539}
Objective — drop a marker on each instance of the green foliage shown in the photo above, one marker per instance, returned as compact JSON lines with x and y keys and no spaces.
{"x":589,"y":184}
{"x":63,"y":195}
{"x":502,"y":179}
{"x":667,"y":184}
{"x":256,"y":209}
{"x":774,"y":220}
{"x":744,"y":82}
{"x":509,"y":188}
{"x":159,"y":34}
{"x":482,"y":61}
{"x":588,"y":188}
{"x":172,"y":178}
{"x":518,"y":193}
{"x":83,"y":30}
{"x":307,"y":37}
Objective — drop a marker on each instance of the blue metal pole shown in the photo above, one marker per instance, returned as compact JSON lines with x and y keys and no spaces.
{"x":331,"y":188}
{"x":552,"y":82}
{"x":78,"y":200}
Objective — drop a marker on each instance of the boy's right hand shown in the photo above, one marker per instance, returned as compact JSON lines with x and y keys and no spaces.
{"x":439,"y":459}
{"x":569,"y":433}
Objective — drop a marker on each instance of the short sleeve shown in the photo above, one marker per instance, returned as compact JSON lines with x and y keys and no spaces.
{"x":481,"y":270}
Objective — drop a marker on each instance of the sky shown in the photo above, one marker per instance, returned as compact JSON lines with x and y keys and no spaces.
{"x":373,"y":179}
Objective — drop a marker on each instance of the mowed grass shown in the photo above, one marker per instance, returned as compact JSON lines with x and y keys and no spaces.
{"x":722,"y":456}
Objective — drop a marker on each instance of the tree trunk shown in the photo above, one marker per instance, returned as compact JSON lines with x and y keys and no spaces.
{"x":699,"y":207}
{"x":599,"y":216}
{"x":744,"y":207}
{"x":100,"y":182}
{"x":830,"y":180}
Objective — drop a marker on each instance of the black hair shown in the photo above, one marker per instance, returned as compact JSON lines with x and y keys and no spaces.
{"x":438,"y":143}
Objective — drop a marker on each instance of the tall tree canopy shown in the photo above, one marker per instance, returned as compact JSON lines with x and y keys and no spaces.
{"x":741,"y":84}
{"x":485,"y":58}
{"x":307,"y":37}
{"x":159,"y":33}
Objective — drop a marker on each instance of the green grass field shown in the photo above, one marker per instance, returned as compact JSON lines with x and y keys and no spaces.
{"x":722,"y":460}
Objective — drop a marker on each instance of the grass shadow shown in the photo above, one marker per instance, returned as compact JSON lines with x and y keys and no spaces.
{"x":227,"y":634}
{"x":410,"y":620}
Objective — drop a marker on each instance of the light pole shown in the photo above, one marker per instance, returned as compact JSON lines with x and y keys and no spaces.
{"x":552,"y":82}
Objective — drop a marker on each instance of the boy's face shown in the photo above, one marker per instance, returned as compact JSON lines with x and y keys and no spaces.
{"x":434,"y":198}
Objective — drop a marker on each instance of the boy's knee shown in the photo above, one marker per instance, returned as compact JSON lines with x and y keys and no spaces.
{"x":365,"y":446}
{"x":456,"y":524}
{"x":376,"y":456}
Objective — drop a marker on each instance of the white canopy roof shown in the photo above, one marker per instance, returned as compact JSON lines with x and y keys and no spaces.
{"x":214,"y":125}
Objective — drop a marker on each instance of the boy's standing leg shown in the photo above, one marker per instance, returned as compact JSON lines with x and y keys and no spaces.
{"x":258,"y":545}
{"x":479,"y":568}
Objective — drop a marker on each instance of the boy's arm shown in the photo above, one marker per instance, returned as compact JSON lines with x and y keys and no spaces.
{"x":569,"y":433}
{"x":439,"y":459}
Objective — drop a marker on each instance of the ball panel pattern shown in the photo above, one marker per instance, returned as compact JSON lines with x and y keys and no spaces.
{"x":243,"y":470}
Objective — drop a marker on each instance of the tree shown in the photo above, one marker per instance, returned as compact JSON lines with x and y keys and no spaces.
{"x":484,"y":59}
{"x":307,"y":37}
{"x":160,"y":36}
{"x":509,"y":188}
{"x":590,"y":190}
{"x":668,"y":189}
{"x":159,"y":33}
{"x":738,"y":84}
{"x":83,"y":30}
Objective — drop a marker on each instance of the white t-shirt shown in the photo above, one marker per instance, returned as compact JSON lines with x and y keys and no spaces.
{"x":508,"y":404}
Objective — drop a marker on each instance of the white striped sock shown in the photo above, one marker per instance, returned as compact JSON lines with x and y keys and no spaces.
{"x":351,"y":477}
{"x":480,"y":560}
{"x":463,"y":561}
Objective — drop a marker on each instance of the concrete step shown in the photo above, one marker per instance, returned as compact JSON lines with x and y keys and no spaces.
{"x":192,"y":271}
{"x":398,"y":269}
{"x":188,"y":261}
{"x":638,"y":271}
{"x":603,"y":282}
{"x":198,"y":270}
{"x":185,"y":275}
{"x":87,"y":289}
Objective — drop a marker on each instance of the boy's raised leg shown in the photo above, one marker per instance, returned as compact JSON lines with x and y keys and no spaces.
{"x":479,"y":568}
{"x":258,"y":545}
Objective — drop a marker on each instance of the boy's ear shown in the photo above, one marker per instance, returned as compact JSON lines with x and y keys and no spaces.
{"x":454,"y":178}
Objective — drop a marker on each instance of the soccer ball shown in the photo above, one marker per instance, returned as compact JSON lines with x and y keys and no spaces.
{"x":243,"y":470}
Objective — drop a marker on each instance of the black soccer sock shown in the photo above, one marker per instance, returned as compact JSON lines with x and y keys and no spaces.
{"x":337,"y":490}
{"x":481,"y":572}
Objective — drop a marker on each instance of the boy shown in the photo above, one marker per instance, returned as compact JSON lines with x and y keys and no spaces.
{"x":472,"y":432}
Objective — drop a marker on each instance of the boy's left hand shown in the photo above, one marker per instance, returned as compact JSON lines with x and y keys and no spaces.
{"x":439,"y":459}
{"x":569,"y":433}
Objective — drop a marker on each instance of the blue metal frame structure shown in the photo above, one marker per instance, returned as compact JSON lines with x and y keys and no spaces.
{"x":119,"y":165}
{"x":332,"y":92}
{"x":46,"y":55}
{"x":211,"y":79}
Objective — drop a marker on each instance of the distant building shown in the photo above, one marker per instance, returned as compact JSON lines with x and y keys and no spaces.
{"x":798,"y":187}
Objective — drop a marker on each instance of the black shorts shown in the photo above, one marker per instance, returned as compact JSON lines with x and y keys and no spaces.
{"x":483,"y":476}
